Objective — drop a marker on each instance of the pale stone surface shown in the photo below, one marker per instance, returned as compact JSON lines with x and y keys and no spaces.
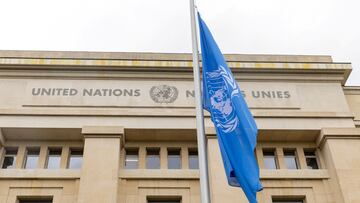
{"x":102,"y":130}
{"x":62,"y":191}
{"x":299,"y":102}
{"x":353,"y":98}
{"x":347,"y":168}
{"x":99,"y":174}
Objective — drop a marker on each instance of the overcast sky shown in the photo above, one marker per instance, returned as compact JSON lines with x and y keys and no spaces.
{"x":325,"y":27}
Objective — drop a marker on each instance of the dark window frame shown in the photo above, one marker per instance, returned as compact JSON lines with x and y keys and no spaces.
{"x":193,"y":152}
{"x":174,"y":152}
{"x":314,"y":156}
{"x":163,"y":199}
{"x":293,"y":153}
{"x":75,"y":152}
{"x":273,"y":151}
{"x":152,"y":152}
{"x":53,"y":152}
{"x":35,"y":199}
{"x":8,"y":153}
{"x":127,"y":150}
{"x":31,"y":152}
{"x":288,"y":199}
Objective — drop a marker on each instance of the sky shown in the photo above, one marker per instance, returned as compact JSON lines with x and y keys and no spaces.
{"x":304,"y":27}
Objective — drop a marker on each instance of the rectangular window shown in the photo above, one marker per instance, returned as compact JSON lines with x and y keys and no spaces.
{"x":311,"y":160}
{"x":32,"y":158}
{"x":163,"y":199}
{"x":287,"y":201}
{"x":290,"y":159}
{"x":153,"y":158}
{"x":131,"y":158}
{"x":32,"y":200}
{"x":54,"y":158}
{"x":270,"y":159}
{"x":9,"y":161}
{"x":193,"y":159}
{"x":174,"y":158}
{"x":75,"y":159}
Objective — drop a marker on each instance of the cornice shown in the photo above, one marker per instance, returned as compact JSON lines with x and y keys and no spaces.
{"x":337,"y":133}
{"x":118,"y":65}
{"x":159,"y":56}
{"x":175,"y":70}
{"x":351,"y":90}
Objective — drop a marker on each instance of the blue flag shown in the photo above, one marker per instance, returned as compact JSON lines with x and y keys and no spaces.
{"x":235,"y":126}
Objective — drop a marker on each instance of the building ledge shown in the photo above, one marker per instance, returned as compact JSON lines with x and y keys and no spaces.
{"x":294,"y":174}
{"x":159,"y":174}
{"x":155,"y":174}
{"x":194,"y":174}
{"x":39,"y":174}
{"x":151,"y":111}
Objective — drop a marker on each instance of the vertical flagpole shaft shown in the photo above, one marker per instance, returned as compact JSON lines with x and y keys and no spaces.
{"x":201,"y":140}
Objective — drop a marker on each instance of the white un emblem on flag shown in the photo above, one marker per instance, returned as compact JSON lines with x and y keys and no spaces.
{"x":222,"y":88}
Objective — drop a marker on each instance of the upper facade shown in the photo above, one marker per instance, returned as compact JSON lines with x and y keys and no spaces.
{"x":89,"y":114}
{"x":98,"y":84}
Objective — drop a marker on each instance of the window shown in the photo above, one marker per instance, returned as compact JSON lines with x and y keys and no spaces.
{"x":174,"y":158}
{"x":32,"y":200}
{"x":311,"y":160}
{"x":270,"y":159}
{"x":131,"y":158}
{"x":287,"y":201}
{"x":75,"y":159}
{"x":193,"y":159}
{"x":10,"y":158}
{"x":163,"y":199}
{"x":152,"y":158}
{"x":54,"y":158}
{"x":290,"y":159}
{"x":32,"y":157}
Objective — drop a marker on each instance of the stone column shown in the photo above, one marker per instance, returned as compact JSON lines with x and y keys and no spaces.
{"x":340,"y":150}
{"x":101,"y":161}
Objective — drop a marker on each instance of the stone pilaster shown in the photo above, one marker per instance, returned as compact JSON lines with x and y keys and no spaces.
{"x":340,"y":149}
{"x":99,"y":175}
{"x":220,"y":190}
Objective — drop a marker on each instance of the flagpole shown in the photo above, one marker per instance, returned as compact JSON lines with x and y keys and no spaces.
{"x":202,"y":146}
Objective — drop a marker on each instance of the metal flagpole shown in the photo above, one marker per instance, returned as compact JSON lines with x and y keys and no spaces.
{"x":202,"y":146}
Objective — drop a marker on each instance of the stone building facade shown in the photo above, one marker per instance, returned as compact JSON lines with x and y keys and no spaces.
{"x":120,"y":127}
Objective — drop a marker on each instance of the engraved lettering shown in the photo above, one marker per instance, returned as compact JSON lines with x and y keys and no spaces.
{"x":128,"y":92}
{"x":137,"y":93}
{"x":117,"y":92}
{"x":286,"y":94}
{"x":66,"y":92}
{"x":87,"y":92}
{"x":73,"y":92}
{"x":34,"y":92}
{"x":265,"y":94}
{"x":45,"y":91}
{"x":97,"y":93}
{"x":255,"y":94}
{"x":190,"y":93}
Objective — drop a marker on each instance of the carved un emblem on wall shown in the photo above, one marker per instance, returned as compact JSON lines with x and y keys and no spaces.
{"x":164,"y":94}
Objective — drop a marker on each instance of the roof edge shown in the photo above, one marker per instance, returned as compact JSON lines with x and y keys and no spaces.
{"x":160,"y":56}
